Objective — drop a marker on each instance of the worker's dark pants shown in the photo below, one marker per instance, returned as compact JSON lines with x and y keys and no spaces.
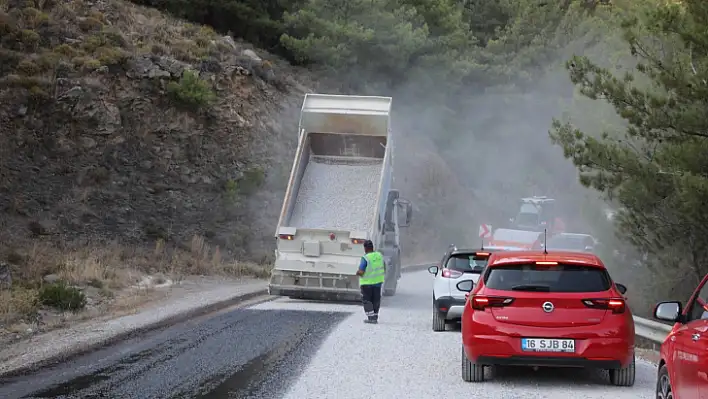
{"x":371,"y":297}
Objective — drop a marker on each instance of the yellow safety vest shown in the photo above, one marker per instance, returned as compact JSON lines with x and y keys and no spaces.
{"x":375,"y":271}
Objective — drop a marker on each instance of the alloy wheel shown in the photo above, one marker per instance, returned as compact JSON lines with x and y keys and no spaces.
{"x":663,"y":390}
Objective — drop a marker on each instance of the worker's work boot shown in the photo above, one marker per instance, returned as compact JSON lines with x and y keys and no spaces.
{"x":371,"y":320}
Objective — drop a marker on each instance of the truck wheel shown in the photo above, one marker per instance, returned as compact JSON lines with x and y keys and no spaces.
{"x":438,"y":320}
{"x":623,"y":377}
{"x":471,"y":372}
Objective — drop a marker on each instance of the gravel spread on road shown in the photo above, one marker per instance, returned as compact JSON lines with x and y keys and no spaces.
{"x":403,"y":357}
{"x":336,"y":196}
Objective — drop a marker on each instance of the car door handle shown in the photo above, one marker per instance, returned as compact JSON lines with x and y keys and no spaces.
{"x":695,"y":337}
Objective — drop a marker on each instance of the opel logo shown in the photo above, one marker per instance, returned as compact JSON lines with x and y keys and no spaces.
{"x":547,"y":307}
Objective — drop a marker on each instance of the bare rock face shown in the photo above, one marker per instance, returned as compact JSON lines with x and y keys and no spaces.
{"x":252,"y":55}
{"x":84,"y":106}
{"x":156,"y":67}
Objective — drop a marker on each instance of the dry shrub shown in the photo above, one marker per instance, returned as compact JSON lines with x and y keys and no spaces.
{"x":111,"y":268}
{"x":98,"y":268}
{"x":16,"y":303}
{"x":207,"y":261}
{"x":164,"y":35}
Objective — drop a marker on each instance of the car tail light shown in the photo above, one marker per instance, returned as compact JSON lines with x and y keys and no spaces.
{"x":447,"y":273}
{"x":357,"y":241}
{"x":481,"y":302}
{"x":482,"y":253}
{"x":616,"y":305}
{"x":286,"y":236}
{"x":547,"y":263}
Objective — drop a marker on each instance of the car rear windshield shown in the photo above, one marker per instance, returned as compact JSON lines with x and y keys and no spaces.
{"x":467,"y":263}
{"x":557,"y":278}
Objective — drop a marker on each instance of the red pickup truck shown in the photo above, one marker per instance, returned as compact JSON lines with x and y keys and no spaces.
{"x":683,"y":369}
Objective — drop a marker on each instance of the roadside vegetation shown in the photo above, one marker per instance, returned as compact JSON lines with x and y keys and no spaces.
{"x":107,"y":279}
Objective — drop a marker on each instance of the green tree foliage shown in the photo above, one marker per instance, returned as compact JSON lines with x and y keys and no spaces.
{"x":465,"y":44}
{"x":487,"y":18}
{"x":367,"y":42}
{"x":379,"y":44}
{"x":256,"y":21}
{"x":655,"y":168}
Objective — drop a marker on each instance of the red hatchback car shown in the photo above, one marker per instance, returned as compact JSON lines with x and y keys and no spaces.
{"x":683,"y":369}
{"x":559,"y":309}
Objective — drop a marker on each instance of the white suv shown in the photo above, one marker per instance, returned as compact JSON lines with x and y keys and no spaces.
{"x":456,"y":265}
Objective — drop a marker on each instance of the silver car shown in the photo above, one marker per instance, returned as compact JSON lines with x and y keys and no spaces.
{"x":456,"y":265}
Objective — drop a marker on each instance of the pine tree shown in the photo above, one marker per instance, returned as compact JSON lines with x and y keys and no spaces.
{"x":656,"y":168}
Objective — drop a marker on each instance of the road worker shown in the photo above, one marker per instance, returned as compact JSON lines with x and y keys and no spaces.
{"x":371,"y":277}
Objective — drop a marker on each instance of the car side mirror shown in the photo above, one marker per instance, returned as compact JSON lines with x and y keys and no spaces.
{"x":433,"y":270}
{"x":668,"y":311}
{"x":465,"y":286}
{"x":621,"y":288}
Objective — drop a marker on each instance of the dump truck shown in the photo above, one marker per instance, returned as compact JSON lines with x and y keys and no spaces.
{"x":339,"y":194}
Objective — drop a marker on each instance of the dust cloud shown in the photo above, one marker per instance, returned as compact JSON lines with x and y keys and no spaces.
{"x":472,"y":165}
{"x":467,"y":159}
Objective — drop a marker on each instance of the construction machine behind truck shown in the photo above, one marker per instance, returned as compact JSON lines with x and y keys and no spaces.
{"x":339,"y":195}
{"x":537,"y":213}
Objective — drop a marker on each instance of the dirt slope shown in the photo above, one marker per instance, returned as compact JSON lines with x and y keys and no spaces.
{"x":133,"y":144}
{"x":102,"y":139}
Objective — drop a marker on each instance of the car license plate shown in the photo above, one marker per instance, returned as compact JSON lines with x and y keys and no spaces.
{"x":547,"y":345}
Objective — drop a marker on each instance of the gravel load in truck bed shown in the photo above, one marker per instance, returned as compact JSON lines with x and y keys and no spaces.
{"x":336,"y":196}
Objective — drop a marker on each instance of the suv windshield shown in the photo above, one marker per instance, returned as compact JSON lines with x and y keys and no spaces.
{"x":560,"y":278}
{"x":467,"y":263}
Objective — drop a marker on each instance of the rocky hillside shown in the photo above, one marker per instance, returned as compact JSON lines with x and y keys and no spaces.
{"x":121,"y":125}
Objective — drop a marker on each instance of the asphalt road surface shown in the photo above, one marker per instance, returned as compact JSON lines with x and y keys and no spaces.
{"x":298,"y":349}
